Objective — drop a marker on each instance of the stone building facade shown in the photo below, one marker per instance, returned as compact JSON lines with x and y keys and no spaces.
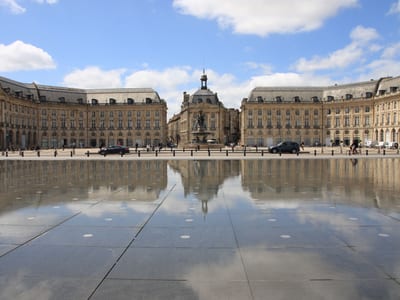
{"x":34,"y":115}
{"x":364,"y":112}
{"x":220,"y":124}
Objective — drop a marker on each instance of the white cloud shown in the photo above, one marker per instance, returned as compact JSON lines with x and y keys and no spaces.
{"x":391,"y":51}
{"x":13,"y":6}
{"x":264,"y":17}
{"x":166,"y":80}
{"x":19,"y":56}
{"x":361,"y":43}
{"x":94,"y":77}
{"x":16,"y":8}
{"x":46,"y":1}
{"x":395,"y":8}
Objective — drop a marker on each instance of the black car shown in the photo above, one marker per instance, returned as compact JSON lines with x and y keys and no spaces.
{"x":285,"y":147}
{"x":114,"y":150}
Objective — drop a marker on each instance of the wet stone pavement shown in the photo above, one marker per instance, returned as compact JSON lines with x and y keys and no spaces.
{"x":239,"y":229}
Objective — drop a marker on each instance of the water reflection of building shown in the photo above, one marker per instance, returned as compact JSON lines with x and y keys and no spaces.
{"x":142,"y":180}
{"x":364,"y":183}
{"x":204,"y":178}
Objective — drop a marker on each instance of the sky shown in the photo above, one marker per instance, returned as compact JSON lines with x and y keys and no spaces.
{"x":167,"y":44}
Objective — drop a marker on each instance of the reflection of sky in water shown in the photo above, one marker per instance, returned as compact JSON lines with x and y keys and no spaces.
{"x":293,"y":220}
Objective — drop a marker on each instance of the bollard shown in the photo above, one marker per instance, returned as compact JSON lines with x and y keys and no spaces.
{"x":280,"y":153}
{"x":315,"y":152}
{"x":122,"y":153}
{"x":156,"y":153}
{"x":220,"y":149}
{"x":333,"y":152}
{"x":244,"y":152}
{"x":87,"y":153}
{"x":104,"y":154}
{"x":384,"y":151}
{"x":262,"y":152}
{"x":38,"y":153}
{"x":22,"y":153}
{"x":191,"y":152}
{"x":173,"y":153}
{"x":366,"y":152}
{"x":208,"y":150}
{"x":183,"y":149}
{"x":55,"y":153}
{"x":6,"y":153}
{"x":226,"y":153}
{"x":138,"y":153}
{"x":72,"y":153}
{"x":256,"y":149}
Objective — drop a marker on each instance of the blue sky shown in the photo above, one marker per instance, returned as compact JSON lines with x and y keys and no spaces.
{"x":166,"y":44}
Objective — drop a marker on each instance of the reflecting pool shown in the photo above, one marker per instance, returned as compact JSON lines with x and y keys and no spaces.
{"x":200,"y":229}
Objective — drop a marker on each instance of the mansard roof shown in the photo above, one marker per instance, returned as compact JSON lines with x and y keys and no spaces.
{"x":38,"y":92}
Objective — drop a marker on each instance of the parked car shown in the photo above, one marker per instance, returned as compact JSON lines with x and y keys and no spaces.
{"x":114,"y":150}
{"x":285,"y":147}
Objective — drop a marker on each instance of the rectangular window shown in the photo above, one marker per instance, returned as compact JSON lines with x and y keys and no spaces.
{"x":337,"y":122}
{"x":356,"y":121}
{"x":346,"y":121}
{"x":306,"y":122}
{"x":366,"y":120}
{"x":249,"y":123}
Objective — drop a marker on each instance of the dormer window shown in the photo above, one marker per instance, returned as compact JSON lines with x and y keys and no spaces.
{"x":315,"y":99}
{"x":79,"y":100}
{"x":296,"y":99}
{"x":368,"y":95}
{"x":278,"y":99}
{"x":131,"y":101}
{"x":382,"y":92}
{"x":393,"y":89}
{"x":330,"y":98}
{"x":95,"y":101}
{"x":349,"y":96}
{"x":61,"y":99}
{"x":112,"y":101}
